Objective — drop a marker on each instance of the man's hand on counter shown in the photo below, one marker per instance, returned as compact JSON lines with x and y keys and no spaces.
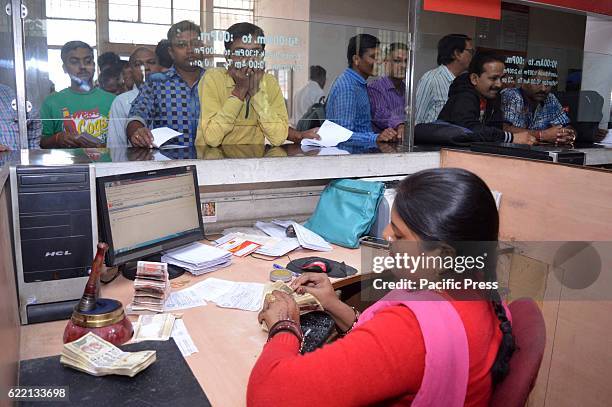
{"x":296,"y":136}
{"x":139,"y":135}
{"x":387,"y":136}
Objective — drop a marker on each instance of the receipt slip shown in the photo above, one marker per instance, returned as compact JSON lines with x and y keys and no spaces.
{"x":238,"y":246}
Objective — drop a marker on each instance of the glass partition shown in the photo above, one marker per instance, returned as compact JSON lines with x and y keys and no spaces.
{"x":556,"y":73}
{"x":9,"y":125}
{"x":298,"y":57}
{"x":284,"y":70}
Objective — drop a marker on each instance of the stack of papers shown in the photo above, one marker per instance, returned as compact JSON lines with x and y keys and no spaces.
{"x":265,"y":245}
{"x":198,"y":258}
{"x":331,"y":135}
{"x":237,"y":244}
{"x":304,"y":237}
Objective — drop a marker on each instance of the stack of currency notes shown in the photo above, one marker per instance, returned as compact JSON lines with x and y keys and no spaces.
{"x":151,"y":287}
{"x":306,"y":302}
{"x":92,"y":354}
{"x":156,"y":327}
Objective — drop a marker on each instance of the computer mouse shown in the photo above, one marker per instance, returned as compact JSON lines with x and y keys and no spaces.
{"x":315,"y":267}
{"x":290,"y":231}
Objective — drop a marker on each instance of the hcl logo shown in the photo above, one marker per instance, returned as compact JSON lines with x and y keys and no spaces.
{"x":60,"y":253}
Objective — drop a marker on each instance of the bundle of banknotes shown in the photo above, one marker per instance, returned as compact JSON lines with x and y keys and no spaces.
{"x":92,"y":354}
{"x":306,"y":302}
{"x":151,"y":287}
{"x":156,"y":327}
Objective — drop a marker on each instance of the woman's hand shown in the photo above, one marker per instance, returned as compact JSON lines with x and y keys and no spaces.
{"x":278,"y":306}
{"x":318,"y":285}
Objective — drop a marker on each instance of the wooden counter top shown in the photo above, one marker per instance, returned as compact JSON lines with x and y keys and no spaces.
{"x":228,"y":340}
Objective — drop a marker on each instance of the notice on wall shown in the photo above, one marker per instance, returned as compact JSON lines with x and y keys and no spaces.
{"x":209,"y":212}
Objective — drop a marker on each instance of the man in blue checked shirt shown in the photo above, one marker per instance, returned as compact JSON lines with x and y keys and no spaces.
{"x":348,"y":104}
{"x":530,"y":106}
{"x":170,"y":99}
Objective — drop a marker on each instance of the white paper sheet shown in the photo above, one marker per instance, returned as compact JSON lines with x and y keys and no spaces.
{"x":310,"y":240}
{"x":183,"y":340}
{"x":244,"y":296}
{"x":608,"y":140}
{"x":162,"y":135}
{"x":271,"y":229}
{"x":331,"y":135}
{"x":185,"y":298}
{"x":212,"y":288}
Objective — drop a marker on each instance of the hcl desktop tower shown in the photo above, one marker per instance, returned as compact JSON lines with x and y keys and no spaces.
{"x":55,"y":234}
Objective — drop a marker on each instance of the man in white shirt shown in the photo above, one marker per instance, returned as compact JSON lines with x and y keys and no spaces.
{"x":455,"y":53}
{"x":309,"y":94}
{"x":143,"y":63}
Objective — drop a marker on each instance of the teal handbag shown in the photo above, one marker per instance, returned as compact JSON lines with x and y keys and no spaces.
{"x":346,"y":211}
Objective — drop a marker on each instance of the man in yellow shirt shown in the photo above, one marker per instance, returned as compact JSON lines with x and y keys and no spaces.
{"x":242,"y":104}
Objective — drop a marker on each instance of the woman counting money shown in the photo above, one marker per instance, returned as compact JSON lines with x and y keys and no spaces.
{"x":413,"y":347}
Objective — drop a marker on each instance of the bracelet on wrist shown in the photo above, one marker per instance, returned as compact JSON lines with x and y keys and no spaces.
{"x":357,"y":314}
{"x":286,"y":325}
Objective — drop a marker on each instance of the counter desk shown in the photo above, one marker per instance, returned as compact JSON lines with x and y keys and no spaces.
{"x":229,"y":341}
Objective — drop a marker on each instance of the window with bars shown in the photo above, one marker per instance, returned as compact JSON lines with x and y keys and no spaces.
{"x":227,"y":13}
{"x":61,"y":27}
{"x":147,"y":21}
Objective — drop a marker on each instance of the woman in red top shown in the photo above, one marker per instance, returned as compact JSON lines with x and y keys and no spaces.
{"x":382,"y":361}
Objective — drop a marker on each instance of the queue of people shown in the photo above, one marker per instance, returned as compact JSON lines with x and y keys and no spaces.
{"x":241,"y":104}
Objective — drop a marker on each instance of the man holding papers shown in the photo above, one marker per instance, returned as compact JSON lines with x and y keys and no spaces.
{"x":170,"y":99}
{"x":348,"y":104}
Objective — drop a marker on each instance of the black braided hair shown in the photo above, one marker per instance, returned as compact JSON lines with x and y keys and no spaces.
{"x":452,"y":205}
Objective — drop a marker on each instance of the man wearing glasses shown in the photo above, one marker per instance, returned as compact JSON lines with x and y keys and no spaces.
{"x":241,"y":104}
{"x":170,"y":99}
{"x":455,"y":52}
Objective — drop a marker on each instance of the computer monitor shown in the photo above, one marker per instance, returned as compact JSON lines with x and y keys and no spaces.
{"x":144,"y":213}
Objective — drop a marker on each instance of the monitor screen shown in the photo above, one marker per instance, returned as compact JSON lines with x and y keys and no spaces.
{"x":146,"y":212}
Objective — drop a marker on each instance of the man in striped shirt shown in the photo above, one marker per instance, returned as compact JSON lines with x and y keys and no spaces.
{"x":455,"y":53}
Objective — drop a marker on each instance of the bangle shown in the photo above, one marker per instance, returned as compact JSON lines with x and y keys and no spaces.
{"x":357,"y":314}
{"x":287,"y":325}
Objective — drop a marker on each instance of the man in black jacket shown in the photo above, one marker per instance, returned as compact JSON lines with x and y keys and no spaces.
{"x":474,"y":102}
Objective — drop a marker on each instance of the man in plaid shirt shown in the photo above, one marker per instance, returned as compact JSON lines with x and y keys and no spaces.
{"x":348,"y":103}
{"x":170,"y":99}
{"x":532,"y":107}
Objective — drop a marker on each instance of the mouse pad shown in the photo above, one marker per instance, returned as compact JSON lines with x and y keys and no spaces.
{"x":335,"y":269}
